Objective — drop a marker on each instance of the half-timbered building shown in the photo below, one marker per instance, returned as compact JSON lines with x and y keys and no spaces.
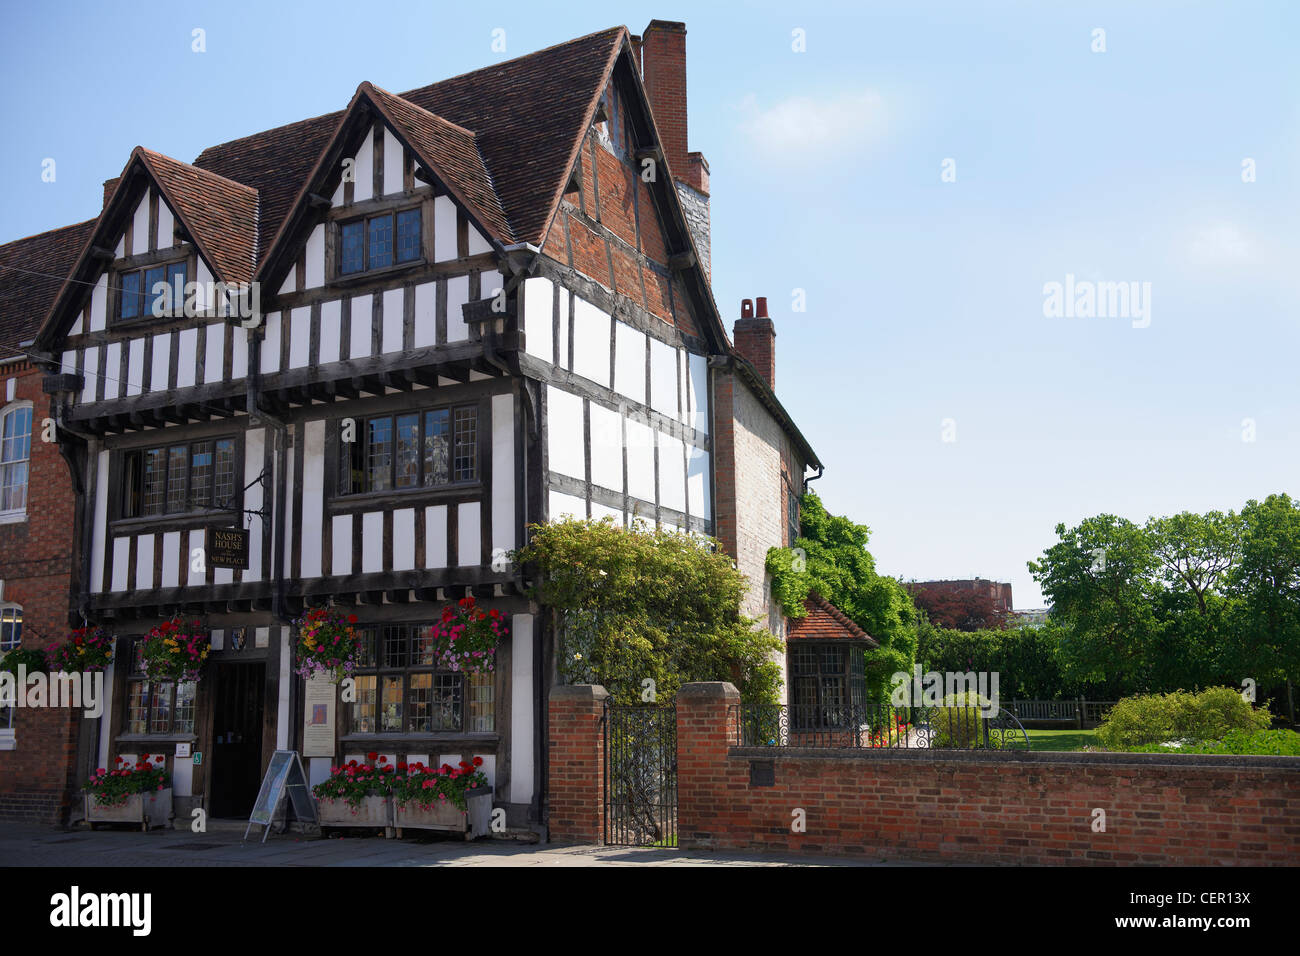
{"x":466,"y":308}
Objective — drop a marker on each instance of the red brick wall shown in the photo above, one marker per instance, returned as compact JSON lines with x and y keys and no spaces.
{"x":35,"y":565}
{"x":576,"y":764}
{"x":981,"y":807}
{"x":756,"y":343}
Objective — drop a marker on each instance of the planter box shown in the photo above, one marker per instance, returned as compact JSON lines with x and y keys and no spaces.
{"x":373,"y":812}
{"x":146,"y":810}
{"x":473,"y":822}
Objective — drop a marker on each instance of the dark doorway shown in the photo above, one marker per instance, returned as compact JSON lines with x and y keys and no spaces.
{"x":236,"y":772}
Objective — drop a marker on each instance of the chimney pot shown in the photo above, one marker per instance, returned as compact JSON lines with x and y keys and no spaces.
{"x":746,"y":309}
{"x":761,"y":304}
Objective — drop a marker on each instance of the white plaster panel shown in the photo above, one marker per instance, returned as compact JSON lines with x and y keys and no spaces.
{"x":564,"y":433}
{"x":342,"y":552}
{"x":99,"y":304}
{"x":591,"y":342}
{"x":599,"y":511}
{"x":477,"y":242}
{"x":214,"y":352}
{"x":205,"y":280}
{"x":300,"y":337}
{"x":697,"y":482}
{"x":162,"y":358}
{"x":222,"y":576}
{"x":330,"y":330}
{"x":166,"y":225}
{"x":112,"y":371}
{"x":290,"y":283}
{"x":457,"y":295}
{"x":394,"y":153}
{"x":144,"y":562}
{"x":392,"y":337}
{"x":135,"y":367}
{"x":271,"y":344}
{"x":364,"y":188}
{"x":314,"y":274}
{"x":698,"y":391}
{"x":195,"y":578}
{"x":98,"y":542}
{"x":663,"y":378}
{"x":171,"y":563}
{"x":640,"y":461}
{"x":362,"y":325}
{"x":468,"y":535}
{"x":435,"y":536}
{"x":629,"y":362}
{"x":76,"y":326}
{"x":372,"y":542}
{"x":187,"y":355}
{"x":503,"y":472}
{"x":91,"y":377}
{"x":426,"y":314}
{"x":672,"y":473}
{"x":238,"y":352}
{"x":560,"y":505}
{"x":121,"y":554}
{"x":521,"y":708}
{"x":562,"y":359}
{"x":606,"y":447}
{"x":140,"y":230}
{"x":444,"y":229}
{"x":404,"y":539}
{"x":539,"y":322}
{"x":313,"y":495}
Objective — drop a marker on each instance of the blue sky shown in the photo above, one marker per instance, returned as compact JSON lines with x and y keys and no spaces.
{"x":925,"y":298}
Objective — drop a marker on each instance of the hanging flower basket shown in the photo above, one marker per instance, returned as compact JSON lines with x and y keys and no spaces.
{"x":327,"y":643}
{"x":466,"y":638}
{"x":87,"y":649}
{"x":175,"y":650}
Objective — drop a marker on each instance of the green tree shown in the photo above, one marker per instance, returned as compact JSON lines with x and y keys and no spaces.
{"x":831,"y":557}
{"x":637,"y":604}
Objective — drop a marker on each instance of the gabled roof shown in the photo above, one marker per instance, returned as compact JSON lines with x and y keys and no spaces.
{"x":218,"y":214}
{"x":825,"y":622}
{"x":31,"y":274}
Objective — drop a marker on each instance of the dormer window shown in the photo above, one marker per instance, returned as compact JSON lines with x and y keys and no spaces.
{"x":377,"y":242}
{"x":155,"y":290}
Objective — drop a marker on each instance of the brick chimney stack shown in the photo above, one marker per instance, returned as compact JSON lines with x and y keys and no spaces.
{"x":661,"y":52}
{"x":755,"y":337}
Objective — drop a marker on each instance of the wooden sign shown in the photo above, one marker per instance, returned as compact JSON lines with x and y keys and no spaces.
{"x":284,"y":780}
{"x":228,"y":548}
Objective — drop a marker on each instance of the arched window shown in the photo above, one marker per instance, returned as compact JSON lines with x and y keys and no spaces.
{"x":15,"y":452}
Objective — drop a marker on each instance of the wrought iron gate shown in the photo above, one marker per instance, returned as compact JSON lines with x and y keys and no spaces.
{"x":641,"y":775}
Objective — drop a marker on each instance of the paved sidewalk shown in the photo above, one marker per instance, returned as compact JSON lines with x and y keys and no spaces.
{"x":24,"y":844}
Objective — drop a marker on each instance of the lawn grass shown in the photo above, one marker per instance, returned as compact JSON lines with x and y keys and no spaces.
{"x":1072,"y":739}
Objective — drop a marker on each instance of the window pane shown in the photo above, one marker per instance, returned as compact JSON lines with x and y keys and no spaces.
{"x":408,"y":451}
{"x":130,"y":304}
{"x":422,"y":646}
{"x":176,"y":279}
{"x":351,"y":260}
{"x":381,"y":241}
{"x":132,"y":479}
{"x":16,"y":442}
{"x":366,"y":652}
{"x":155,"y":481}
{"x":446,"y":701}
{"x":178,"y":459}
{"x":201,"y":474}
{"x":420,"y":704}
{"x":390,"y":718}
{"x":137,"y":709}
{"x":466,"y":465}
{"x":225,"y":472}
{"x":157,"y":302}
{"x":397,"y":652}
{"x":184,"y":718}
{"x":408,"y":235}
{"x":379,"y":454}
{"x":11,"y":628}
{"x":363,"y":709}
{"x":482,"y":707}
{"x":437,"y":429}
{"x":13,"y":487}
{"x":160,"y":722}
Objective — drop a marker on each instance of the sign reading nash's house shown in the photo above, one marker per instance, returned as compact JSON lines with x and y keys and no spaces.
{"x":228,"y":548}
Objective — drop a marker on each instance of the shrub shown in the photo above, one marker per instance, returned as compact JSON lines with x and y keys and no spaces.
{"x":1156,"y":718}
{"x":958,"y":723}
{"x":1280,"y":743}
{"x":30,"y":657}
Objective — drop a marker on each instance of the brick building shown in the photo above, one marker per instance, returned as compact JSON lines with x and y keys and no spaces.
{"x":511,"y":265}
{"x":38,"y":747}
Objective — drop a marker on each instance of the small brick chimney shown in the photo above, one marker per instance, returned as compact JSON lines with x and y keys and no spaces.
{"x":109,"y":186}
{"x":755,"y":337}
{"x":661,"y":52}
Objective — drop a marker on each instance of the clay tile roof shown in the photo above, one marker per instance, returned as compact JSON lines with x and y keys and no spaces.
{"x":523,"y":119}
{"x":25,"y":298}
{"x":825,"y":622}
{"x":220,"y":213}
{"x":454,"y":154}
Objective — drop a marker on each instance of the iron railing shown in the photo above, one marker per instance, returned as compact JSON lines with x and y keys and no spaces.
{"x":907,"y":728}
